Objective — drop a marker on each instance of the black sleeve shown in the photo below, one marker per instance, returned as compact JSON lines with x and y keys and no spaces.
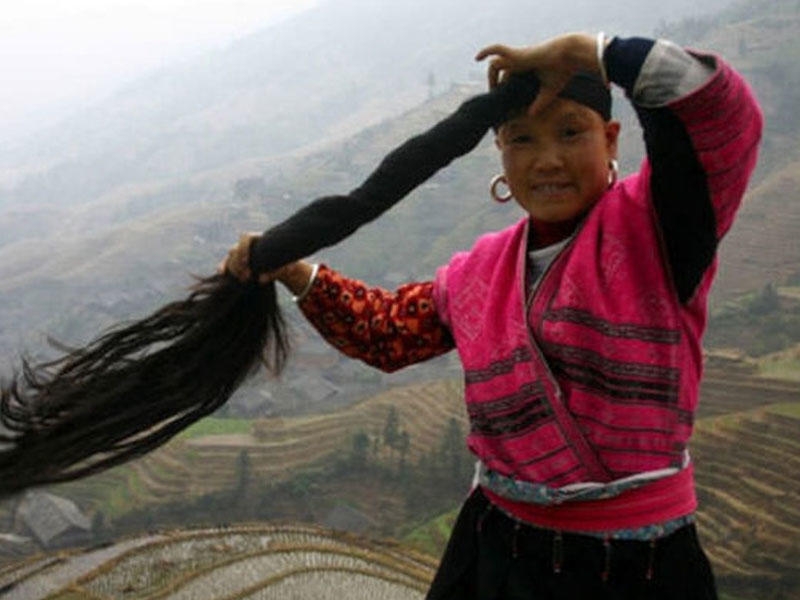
{"x":330,"y":219}
{"x":678,"y":183}
{"x":681,"y":199}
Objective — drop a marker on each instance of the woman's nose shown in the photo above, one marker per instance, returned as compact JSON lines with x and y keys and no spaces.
{"x":547,"y":157}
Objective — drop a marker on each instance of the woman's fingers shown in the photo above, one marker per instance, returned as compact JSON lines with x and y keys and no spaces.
{"x":494,"y":49}
{"x":265,"y":278}
{"x":554,"y":61}
{"x":551,"y":84}
{"x":505,"y":61}
{"x":237,"y":262}
{"x":493,"y":73}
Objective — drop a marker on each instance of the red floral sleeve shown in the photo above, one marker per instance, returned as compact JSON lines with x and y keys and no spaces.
{"x":388,"y":330}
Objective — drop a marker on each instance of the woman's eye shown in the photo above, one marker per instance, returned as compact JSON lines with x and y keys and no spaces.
{"x":570,"y":132}
{"x":521,"y":139}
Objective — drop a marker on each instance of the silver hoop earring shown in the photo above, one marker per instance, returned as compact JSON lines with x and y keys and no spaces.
{"x":496,"y":181}
{"x":613,"y":172}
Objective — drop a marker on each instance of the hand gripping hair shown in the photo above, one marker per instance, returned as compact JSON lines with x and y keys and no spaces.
{"x":135,"y":387}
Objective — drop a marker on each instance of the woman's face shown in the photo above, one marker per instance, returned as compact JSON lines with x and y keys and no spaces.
{"x":557,"y":163}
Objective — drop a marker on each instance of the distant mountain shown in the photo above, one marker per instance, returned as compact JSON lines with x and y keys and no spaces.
{"x":102,"y":219}
{"x":102,"y":216}
{"x":327,"y":72}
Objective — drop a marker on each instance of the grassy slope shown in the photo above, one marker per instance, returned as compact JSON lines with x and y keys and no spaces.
{"x":204,"y":458}
{"x":782,"y":365}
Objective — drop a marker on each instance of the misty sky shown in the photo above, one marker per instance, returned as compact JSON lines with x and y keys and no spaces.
{"x":55,"y":55}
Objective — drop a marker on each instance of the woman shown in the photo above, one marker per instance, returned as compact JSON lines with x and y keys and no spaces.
{"x":579,"y":327}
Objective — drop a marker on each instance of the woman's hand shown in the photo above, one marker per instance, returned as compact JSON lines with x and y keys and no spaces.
{"x":237,"y":262}
{"x":554,"y":62}
{"x":294,"y":276}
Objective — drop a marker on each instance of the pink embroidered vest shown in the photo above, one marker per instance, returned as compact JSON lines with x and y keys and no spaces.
{"x":597,"y":377}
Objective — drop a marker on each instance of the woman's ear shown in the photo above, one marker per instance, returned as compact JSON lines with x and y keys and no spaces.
{"x":612,"y":137}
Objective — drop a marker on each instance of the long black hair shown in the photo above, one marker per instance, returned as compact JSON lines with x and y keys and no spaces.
{"x":138,"y":385}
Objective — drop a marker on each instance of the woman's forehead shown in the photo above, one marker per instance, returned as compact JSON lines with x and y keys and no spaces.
{"x":559,"y":110}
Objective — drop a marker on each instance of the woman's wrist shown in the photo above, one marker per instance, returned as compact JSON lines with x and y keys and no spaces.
{"x":601,"y":43}
{"x":580,"y":52}
{"x":298,"y":277}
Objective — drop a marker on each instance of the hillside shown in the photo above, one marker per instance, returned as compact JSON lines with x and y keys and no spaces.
{"x":749,"y":496}
{"x":745,"y":449}
{"x":71,"y":268}
{"x":760,"y":38}
{"x":276,"y":447}
{"x":327,"y":72}
{"x":201,"y":463}
{"x":205,"y":458}
{"x":111,"y":210}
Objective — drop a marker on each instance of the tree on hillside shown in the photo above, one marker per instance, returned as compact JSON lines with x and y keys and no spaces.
{"x":376,"y":444}
{"x":403,"y":446}
{"x":391,"y":430}
{"x":451,"y":450}
{"x":100,"y":529}
{"x":243,"y":479}
{"x":359,"y":449}
{"x":766,"y":301}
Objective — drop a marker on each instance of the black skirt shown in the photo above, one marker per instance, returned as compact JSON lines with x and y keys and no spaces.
{"x":491,"y":556}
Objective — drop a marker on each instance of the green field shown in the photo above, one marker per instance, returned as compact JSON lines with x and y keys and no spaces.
{"x":217,"y":426}
{"x":431,"y":537}
{"x":791,"y":409}
{"x":785,"y":365}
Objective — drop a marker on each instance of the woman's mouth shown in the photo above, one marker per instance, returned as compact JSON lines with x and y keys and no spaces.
{"x":551,"y":188}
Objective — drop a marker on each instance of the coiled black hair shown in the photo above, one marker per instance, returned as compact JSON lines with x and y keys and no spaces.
{"x":138,"y":385}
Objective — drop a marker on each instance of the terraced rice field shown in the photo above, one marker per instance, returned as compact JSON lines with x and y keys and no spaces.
{"x":746,"y":447}
{"x":749,"y":490}
{"x":208,"y":463}
{"x":747,"y":467}
{"x":729,"y":391}
{"x":188,"y":468}
{"x":238,"y":563}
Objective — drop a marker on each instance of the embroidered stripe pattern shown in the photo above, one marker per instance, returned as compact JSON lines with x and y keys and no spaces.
{"x":619,"y":330}
{"x":500,"y":367}
{"x":548,"y":495}
{"x":512,"y":415}
{"x":598,"y":361}
{"x":622,"y":389}
{"x":615,"y":379}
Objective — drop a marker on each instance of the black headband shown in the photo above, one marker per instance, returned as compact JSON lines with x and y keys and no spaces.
{"x":584,"y":88}
{"x":588,"y":89}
